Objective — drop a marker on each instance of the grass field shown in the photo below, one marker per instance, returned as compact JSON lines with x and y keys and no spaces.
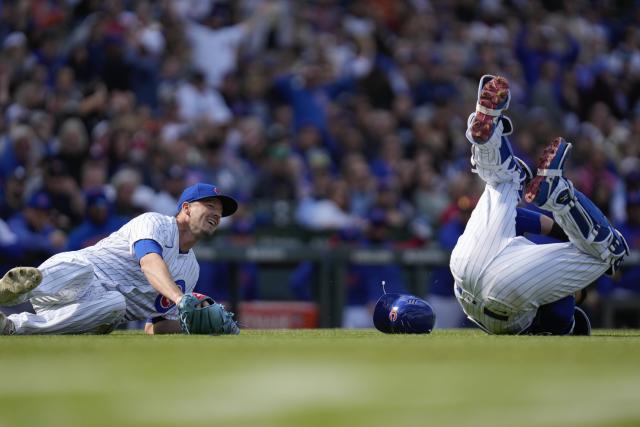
{"x":321,"y":378}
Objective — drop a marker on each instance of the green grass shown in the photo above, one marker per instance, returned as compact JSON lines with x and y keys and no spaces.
{"x":321,"y":378}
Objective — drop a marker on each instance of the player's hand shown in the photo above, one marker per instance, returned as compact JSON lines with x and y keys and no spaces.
{"x":205,"y":317}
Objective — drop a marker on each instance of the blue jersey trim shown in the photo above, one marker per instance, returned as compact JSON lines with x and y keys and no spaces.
{"x":146,"y":246}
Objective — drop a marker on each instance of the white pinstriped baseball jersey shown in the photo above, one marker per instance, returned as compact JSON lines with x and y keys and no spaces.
{"x":118,"y":269}
{"x":502,"y":279}
{"x":105,"y":283}
{"x":511,"y":276}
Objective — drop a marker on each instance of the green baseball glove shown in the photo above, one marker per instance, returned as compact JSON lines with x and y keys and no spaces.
{"x":205,"y":316}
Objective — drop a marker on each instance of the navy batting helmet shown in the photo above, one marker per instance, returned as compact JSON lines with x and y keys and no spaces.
{"x":403,"y":314}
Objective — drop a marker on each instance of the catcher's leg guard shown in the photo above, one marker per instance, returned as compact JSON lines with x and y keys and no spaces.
{"x":492,"y":157}
{"x":583,"y":222}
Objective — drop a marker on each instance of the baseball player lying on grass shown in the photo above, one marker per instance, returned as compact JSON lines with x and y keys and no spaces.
{"x":145,"y":270}
{"x":505,"y":283}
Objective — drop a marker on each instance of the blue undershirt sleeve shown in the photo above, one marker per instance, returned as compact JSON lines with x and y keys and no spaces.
{"x":146,"y":246}
{"x":527,"y":221}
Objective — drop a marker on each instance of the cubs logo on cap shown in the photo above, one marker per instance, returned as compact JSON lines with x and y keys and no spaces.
{"x":201,"y":191}
{"x":403,"y":314}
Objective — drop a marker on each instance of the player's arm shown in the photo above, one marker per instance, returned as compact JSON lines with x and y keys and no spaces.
{"x":149,"y":254}
{"x":528,"y":221}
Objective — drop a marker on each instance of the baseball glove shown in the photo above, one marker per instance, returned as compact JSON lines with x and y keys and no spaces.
{"x":205,"y":316}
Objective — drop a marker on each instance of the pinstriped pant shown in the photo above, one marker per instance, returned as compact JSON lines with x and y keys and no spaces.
{"x":501,"y":279}
{"x":70,"y":300}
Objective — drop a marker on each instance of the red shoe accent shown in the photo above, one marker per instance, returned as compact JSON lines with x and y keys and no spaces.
{"x":543,"y":163}
{"x":493,"y":94}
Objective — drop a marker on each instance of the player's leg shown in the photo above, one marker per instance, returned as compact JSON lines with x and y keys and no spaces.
{"x":491,"y":154}
{"x":561,"y":317}
{"x":492,"y":223}
{"x":65,"y":277}
{"x":527,"y":277}
{"x":491,"y":226}
{"x":59,"y":279}
{"x":580,"y":219}
{"x":96,"y":312}
{"x":543,"y":279}
{"x":555,"y":318}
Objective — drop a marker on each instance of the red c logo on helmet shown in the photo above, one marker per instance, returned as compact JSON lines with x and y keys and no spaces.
{"x":393,"y":314}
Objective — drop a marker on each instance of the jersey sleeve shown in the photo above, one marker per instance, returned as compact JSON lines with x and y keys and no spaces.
{"x":150,"y":227}
{"x":527,"y":221}
{"x":146,"y":246}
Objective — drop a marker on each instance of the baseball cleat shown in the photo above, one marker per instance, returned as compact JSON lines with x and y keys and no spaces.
{"x":17,"y":281}
{"x":550,"y":165}
{"x":493,"y":98}
{"x":6,"y":325}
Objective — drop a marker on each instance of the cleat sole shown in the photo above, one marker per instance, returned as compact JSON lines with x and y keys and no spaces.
{"x":494,"y":93}
{"x":543,"y":163}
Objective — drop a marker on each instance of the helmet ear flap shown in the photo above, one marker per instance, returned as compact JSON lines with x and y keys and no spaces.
{"x":403,"y":314}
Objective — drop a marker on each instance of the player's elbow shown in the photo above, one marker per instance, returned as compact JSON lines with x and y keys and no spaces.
{"x":151,"y":258}
{"x":150,"y":263}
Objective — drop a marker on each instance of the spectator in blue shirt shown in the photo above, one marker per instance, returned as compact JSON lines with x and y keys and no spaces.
{"x":98,"y":223}
{"x":37,"y":237}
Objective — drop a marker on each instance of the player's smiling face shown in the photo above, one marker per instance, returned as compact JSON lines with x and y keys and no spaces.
{"x":205,"y":216}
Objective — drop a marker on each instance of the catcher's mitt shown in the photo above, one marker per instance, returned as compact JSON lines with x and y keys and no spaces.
{"x":202,"y":315}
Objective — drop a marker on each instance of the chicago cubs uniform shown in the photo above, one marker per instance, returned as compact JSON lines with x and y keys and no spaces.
{"x":501,"y":280}
{"x":94,"y":289}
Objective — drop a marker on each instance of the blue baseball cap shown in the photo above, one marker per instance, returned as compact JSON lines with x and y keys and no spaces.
{"x":201,"y":191}
{"x":96,"y":197}
{"x":403,"y":314}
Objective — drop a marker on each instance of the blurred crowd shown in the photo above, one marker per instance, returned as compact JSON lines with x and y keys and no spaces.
{"x":327,"y":115}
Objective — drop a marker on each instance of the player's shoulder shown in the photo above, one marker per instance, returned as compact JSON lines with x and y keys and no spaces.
{"x":153,"y":225}
{"x":154,"y":218}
